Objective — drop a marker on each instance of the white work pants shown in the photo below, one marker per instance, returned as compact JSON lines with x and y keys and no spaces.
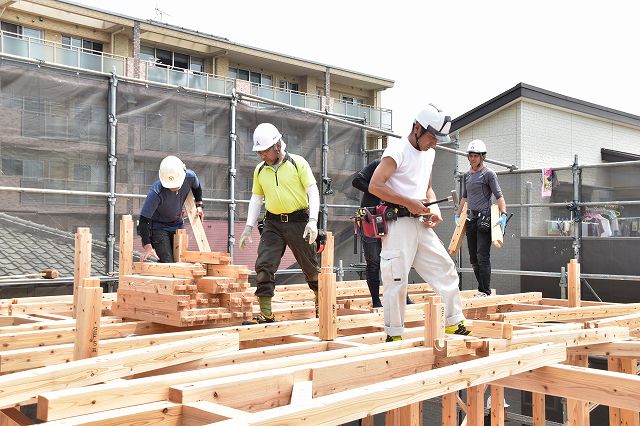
{"x":409,"y":243}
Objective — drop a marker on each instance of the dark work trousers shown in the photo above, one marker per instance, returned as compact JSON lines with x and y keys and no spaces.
{"x":371,"y":248}
{"x":276,"y":236}
{"x":162,"y":243}
{"x":479,"y":244}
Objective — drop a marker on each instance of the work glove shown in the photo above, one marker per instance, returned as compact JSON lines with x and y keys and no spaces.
{"x":311,"y":231}
{"x":502,"y":221}
{"x":456,"y":218}
{"x":200,"y":213}
{"x":148,"y":253}
{"x":246,"y":236}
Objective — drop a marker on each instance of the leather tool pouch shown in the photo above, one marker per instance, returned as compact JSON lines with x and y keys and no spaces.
{"x":484,"y":221}
{"x":373,"y":220}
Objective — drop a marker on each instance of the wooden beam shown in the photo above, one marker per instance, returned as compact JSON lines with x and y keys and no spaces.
{"x":14,"y":417}
{"x":18,"y":387}
{"x":573,"y":283}
{"x":356,"y":403}
{"x":196,"y":223}
{"x":88,"y":321}
{"x":458,"y":232}
{"x":617,"y":349}
{"x":496,"y":231}
{"x":582,"y":313}
{"x":81,"y":261}
{"x":273,"y":388}
{"x":568,"y":381}
{"x":205,"y":412}
{"x":302,"y":392}
{"x":161,"y":413}
{"x":79,"y":401}
{"x":125,"y":259}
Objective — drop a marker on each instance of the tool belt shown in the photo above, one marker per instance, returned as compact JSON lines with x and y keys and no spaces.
{"x":297,"y":216}
{"x":483,"y":219}
{"x":372,"y":221}
{"x":404,"y":212}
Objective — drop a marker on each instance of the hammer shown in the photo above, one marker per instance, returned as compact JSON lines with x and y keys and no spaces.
{"x":47,"y":273}
{"x":453,"y":198}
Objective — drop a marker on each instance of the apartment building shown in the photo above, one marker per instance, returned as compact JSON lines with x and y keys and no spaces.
{"x":55,"y":62}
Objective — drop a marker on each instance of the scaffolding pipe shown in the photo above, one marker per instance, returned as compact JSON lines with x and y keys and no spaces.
{"x":231,"y":206}
{"x":326,"y":180}
{"x":577,"y":230}
{"x":112,"y":160}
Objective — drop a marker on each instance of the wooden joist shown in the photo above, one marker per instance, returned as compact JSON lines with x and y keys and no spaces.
{"x":18,"y":387}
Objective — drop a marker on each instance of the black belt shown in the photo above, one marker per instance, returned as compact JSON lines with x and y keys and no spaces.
{"x":404,"y":212}
{"x":297,"y":216}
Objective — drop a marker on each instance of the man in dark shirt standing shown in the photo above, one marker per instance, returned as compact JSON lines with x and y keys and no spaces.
{"x":161,"y":213}
{"x":371,"y":247}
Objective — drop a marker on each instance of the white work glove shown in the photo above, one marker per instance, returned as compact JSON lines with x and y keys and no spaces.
{"x":311,"y":231}
{"x":246,"y":236}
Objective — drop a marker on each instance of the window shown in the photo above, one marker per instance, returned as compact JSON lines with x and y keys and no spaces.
{"x":252,"y":76}
{"x":86,"y":45}
{"x":11,"y":167}
{"x":353,"y":101}
{"x":19,"y":29}
{"x":172,"y":59}
{"x":288,"y":86}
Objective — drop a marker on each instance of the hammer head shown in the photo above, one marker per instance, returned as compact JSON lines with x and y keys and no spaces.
{"x":454,"y":197}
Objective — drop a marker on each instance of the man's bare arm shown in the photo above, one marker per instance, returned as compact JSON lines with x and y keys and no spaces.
{"x":378,"y":187}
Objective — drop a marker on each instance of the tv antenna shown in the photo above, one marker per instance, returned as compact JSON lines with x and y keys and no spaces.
{"x":160,"y":14}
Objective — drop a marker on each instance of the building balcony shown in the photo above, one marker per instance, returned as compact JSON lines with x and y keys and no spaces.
{"x":55,"y":53}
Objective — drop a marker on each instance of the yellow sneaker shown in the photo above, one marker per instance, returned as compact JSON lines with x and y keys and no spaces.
{"x":458,"y":328}
{"x":393,"y":338}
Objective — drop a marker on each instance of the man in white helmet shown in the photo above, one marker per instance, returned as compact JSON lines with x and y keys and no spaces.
{"x":479,"y":184}
{"x":292,"y":201}
{"x":403,"y":179}
{"x":162,"y":214}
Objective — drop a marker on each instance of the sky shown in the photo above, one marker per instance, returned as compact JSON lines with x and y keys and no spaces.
{"x":456,"y":54}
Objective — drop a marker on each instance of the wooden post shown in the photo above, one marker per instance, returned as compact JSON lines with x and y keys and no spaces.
{"x":88,"y":319}
{"x":458,"y":233}
{"x":450,"y":409}
{"x":497,"y":405}
{"x":196,"y":224}
{"x":125,"y":261}
{"x":539,"y":409}
{"x":577,"y":409}
{"x":573,"y":283}
{"x":434,"y":322}
{"x":618,"y":416}
{"x":327,"y":303}
{"x":496,"y":232}
{"x":81,"y":262}
{"x":180,"y":244}
{"x":409,"y":415}
{"x":475,"y":405}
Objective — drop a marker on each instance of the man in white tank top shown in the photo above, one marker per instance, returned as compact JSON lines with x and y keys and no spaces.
{"x":403,"y":178}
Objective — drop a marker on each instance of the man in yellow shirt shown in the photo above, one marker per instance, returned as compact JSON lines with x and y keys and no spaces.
{"x":292,"y":200}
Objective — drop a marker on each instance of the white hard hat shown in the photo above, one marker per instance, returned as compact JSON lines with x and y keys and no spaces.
{"x":265,"y":136}
{"x":172,"y":172}
{"x":477,"y":146}
{"x":434,"y":121}
{"x":489,"y":403}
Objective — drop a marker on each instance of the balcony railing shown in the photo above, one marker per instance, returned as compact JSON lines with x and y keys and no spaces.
{"x":61,"y":54}
{"x":76,"y":57}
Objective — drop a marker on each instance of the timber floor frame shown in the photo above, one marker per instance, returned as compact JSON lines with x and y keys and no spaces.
{"x":305,"y":370}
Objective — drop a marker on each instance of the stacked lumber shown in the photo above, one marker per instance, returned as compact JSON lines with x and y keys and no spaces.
{"x":185,"y":294}
{"x":201,"y":288}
